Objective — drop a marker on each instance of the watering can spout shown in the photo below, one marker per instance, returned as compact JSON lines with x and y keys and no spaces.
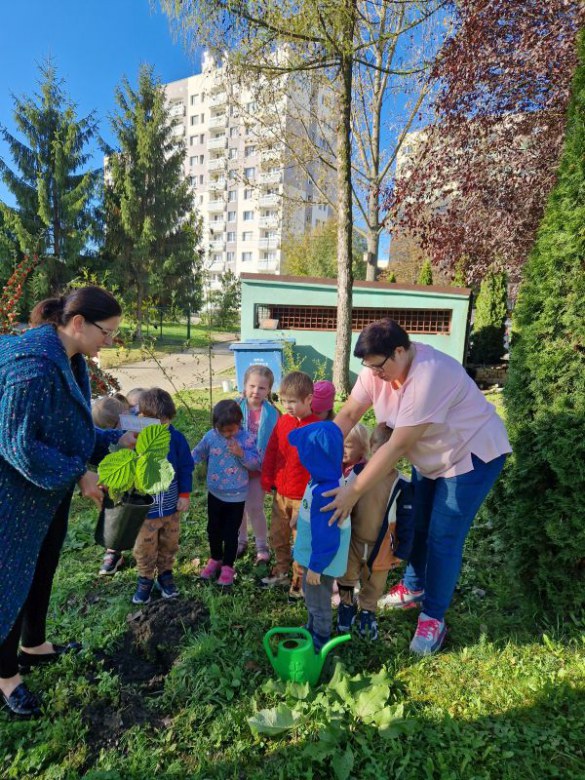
{"x":337,"y":640}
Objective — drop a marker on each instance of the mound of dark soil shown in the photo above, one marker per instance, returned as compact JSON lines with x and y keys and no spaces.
{"x":148,"y":650}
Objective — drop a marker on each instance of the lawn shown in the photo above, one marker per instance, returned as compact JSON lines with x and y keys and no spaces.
{"x":184,"y":690}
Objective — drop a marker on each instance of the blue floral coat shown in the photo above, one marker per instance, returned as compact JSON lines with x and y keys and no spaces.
{"x":46,"y":438}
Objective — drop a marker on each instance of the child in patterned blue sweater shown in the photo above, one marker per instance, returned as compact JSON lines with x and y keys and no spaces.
{"x":230,"y":454}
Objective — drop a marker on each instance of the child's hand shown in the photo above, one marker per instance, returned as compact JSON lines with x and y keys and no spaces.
{"x":235,"y":448}
{"x":183,"y":504}
{"x":313,"y":577}
{"x":293,"y":521}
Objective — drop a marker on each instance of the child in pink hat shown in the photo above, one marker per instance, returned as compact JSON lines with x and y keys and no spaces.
{"x":323,"y":399}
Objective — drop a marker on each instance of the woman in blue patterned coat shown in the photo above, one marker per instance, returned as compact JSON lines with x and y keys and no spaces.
{"x":47,"y":438}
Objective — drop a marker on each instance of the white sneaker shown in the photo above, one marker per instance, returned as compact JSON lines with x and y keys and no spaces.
{"x":275,"y":580}
{"x":400,"y":597}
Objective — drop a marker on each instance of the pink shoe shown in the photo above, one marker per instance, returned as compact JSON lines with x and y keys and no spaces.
{"x":226,"y":578}
{"x":400,"y":597}
{"x":211,"y":570}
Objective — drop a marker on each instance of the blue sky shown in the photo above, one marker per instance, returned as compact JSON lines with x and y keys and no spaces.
{"x":93,"y":44}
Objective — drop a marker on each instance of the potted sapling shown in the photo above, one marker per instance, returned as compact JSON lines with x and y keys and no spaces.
{"x":132,"y":477}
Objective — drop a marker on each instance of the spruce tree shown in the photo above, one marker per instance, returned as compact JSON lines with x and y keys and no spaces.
{"x":489,"y":324}
{"x":425,"y":275}
{"x":53,"y":190}
{"x":541,"y":508}
{"x":152,"y":230}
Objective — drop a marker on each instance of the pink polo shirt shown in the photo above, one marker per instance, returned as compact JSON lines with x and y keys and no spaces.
{"x":438,"y":392}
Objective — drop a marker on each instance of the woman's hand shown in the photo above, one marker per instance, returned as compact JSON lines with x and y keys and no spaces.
{"x":344,"y":499}
{"x":89,"y":486}
{"x":128,"y":440}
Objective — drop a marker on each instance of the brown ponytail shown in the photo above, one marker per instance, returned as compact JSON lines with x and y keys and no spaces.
{"x":92,"y":302}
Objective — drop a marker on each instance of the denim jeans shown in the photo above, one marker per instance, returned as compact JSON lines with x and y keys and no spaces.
{"x":444,"y":510}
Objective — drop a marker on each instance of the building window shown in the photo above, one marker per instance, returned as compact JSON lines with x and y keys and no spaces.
{"x":231,"y":236}
{"x":194,"y":99}
{"x":248,"y":215}
{"x":192,"y":140}
{"x":231,"y":257}
{"x":233,"y":132}
{"x":202,"y":138}
{"x":195,"y":120}
{"x":233,"y":154}
{"x":202,"y":118}
{"x":250,"y":173}
{"x":248,"y":193}
{"x":193,"y":161}
{"x":247,"y":235}
{"x":246,"y":257}
{"x":232,"y":196}
{"x":201,"y":159}
{"x":231,"y":216}
{"x":201,"y":179}
{"x":232,"y":175}
{"x":430,"y":321}
{"x":249,"y":150}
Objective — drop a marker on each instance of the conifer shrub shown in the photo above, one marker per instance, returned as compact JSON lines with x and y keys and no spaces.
{"x":489,"y":324}
{"x":540,"y":505}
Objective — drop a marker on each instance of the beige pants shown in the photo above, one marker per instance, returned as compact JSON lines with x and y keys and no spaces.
{"x":282,"y":536}
{"x":157,"y":545}
{"x":372,"y":584}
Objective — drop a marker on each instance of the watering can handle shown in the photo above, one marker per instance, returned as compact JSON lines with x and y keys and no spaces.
{"x":269,"y":634}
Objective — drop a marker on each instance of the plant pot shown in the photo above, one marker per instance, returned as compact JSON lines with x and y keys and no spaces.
{"x":118,"y":525}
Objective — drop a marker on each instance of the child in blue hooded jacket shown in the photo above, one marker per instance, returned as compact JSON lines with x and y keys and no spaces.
{"x":321,"y":549}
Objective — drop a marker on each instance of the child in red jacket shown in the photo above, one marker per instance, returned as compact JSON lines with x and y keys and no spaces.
{"x":282,"y":471}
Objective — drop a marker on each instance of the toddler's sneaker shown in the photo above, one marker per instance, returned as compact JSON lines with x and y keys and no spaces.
{"x":400,"y":597}
{"x":226,"y":578}
{"x":211,"y":570}
{"x":275,"y":580}
{"x":143,"y":589}
{"x":429,"y":635}
{"x":368,"y":625}
{"x":295,"y":593}
{"x":345,"y":618}
{"x":262,"y":557}
{"x":166,"y":585}
{"x":113,"y":560}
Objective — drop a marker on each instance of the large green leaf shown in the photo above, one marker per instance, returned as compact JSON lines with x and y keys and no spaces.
{"x":117,"y":471}
{"x":275,"y":721}
{"x":154,"y":440}
{"x":153,"y":474}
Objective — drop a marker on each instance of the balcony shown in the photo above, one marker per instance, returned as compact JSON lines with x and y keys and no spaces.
{"x":178,"y":109}
{"x":271,"y":155}
{"x":217,"y":245}
{"x":269,"y":200}
{"x":217,"y":121}
{"x":217,"y":184}
{"x":268,"y":265}
{"x":217,"y":225}
{"x":269,"y":243}
{"x":270,"y":222}
{"x":217,"y":142}
{"x":216,"y":164}
{"x":218,"y":100}
{"x":271,"y":177}
{"x":177,"y":130}
{"x":216,"y":205}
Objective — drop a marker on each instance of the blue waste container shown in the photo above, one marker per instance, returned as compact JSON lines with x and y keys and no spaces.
{"x":259,"y":352}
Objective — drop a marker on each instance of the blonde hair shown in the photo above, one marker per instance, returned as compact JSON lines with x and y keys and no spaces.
{"x":297,"y":384}
{"x":263,"y":371}
{"x":360,"y":434}
{"x":106,"y":412}
{"x":380,"y":435}
{"x":133,"y":396}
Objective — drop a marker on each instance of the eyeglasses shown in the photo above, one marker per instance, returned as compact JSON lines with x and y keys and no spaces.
{"x":109,"y":334}
{"x":380,"y":366}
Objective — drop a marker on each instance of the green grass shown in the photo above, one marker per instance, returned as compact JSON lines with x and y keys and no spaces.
{"x":505,"y":700}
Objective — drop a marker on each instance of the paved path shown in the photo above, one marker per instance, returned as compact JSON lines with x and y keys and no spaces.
{"x":184,"y":370}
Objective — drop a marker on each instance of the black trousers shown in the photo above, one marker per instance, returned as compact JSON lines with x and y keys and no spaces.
{"x":223,"y":524}
{"x":31,"y":623}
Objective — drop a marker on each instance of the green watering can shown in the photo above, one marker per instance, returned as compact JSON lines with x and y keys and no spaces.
{"x":295,"y":658}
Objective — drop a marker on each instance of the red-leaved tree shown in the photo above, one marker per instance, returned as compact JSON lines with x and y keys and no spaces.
{"x":476,"y":181}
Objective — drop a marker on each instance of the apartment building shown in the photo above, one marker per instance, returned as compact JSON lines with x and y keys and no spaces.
{"x":252,"y":182}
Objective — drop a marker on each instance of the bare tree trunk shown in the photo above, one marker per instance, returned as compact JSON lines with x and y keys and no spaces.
{"x":373,"y":236}
{"x":344,"y":217}
{"x":139,"y":307}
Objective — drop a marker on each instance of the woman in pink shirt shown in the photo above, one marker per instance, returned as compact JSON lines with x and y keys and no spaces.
{"x":457,"y":445}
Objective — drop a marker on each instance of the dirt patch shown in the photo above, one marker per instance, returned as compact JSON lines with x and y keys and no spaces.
{"x":148,"y":650}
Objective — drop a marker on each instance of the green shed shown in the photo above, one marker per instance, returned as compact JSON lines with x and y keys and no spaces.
{"x":305,"y":309}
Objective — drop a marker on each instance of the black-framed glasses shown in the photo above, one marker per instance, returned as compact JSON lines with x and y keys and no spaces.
{"x":109,"y":334}
{"x":380,"y":366}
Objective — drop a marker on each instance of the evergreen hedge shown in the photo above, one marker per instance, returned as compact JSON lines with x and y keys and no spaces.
{"x":489,"y":325}
{"x":540,"y":505}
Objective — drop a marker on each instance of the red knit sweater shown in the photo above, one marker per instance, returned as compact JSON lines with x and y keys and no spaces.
{"x":281,"y":467}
